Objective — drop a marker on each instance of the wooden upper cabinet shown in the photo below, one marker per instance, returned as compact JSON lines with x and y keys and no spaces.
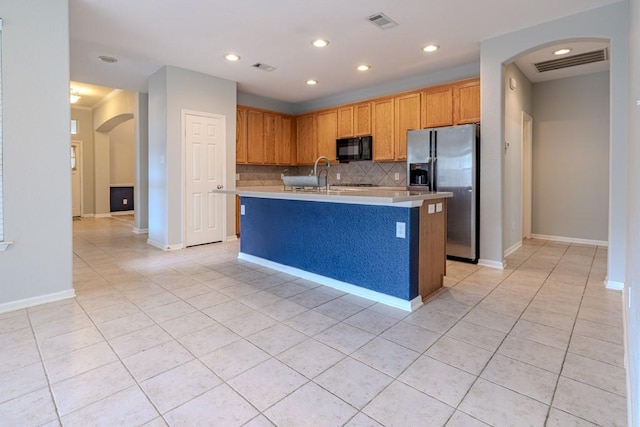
{"x":241,"y":135}
{"x":272,"y":137}
{"x":345,"y":122}
{"x":362,"y":118}
{"x":467,"y":103}
{"x":437,"y":107}
{"x":307,"y":141}
{"x":327,"y":131}
{"x":255,"y":137}
{"x":407,"y":112}
{"x":383,"y":129}
{"x":285,"y":153}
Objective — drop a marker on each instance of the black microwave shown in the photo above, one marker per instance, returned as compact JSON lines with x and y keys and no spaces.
{"x":352,"y":149}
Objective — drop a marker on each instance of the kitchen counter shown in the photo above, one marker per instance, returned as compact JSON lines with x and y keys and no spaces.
{"x":387,"y":245}
{"x":381,"y":196}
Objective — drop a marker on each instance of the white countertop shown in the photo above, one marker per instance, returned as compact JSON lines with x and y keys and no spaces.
{"x":382,"y":196}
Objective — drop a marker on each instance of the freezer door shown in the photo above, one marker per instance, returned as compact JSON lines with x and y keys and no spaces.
{"x":456,"y":173}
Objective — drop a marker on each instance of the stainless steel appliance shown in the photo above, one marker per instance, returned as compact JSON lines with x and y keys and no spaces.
{"x":447,"y":159}
{"x":351,"y":149}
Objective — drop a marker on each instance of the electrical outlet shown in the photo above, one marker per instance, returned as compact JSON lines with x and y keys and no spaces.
{"x":396,"y":176}
{"x":401,"y":229}
{"x":237,"y":177}
{"x":338,"y":176}
{"x":439,"y":207}
{"x":125,"y":202}
{"x":431,"y":208}
{"x":241,"y":209}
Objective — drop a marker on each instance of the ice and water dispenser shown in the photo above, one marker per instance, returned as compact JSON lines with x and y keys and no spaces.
{"x":420,"y":161}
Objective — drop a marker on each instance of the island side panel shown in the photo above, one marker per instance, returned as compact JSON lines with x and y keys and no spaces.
{"x":356,"y":244}
{"x":433,"y":247}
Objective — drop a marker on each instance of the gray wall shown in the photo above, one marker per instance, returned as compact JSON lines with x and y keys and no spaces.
{"x":141,"y":148}
{"x":172,"y":90}
{"x":571,"y":157}
{"x":515,"y":102}
{"x":36,"y":175}
{"x":121,"y":141}
{"x":609,"y":22}
{"x":632,"y":299}
{"x":85,"y":134}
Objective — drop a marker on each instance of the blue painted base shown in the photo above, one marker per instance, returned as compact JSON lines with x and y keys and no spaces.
{"x":356,"y":244}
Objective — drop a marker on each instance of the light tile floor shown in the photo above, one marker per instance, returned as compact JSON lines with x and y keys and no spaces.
{"x":197,"y":337}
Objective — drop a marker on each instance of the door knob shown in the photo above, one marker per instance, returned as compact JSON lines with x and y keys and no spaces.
{"x":219,"y":187}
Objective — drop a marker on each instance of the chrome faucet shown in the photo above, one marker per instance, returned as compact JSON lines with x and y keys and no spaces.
{"x":315,"y":170}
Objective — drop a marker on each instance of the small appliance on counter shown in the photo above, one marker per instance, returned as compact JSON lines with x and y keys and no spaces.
{"x":353,"y":149}
{"x":447,"y":159}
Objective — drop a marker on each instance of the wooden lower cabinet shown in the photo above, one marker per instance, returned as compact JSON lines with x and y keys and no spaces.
{"x":237,"y":215}
{"x":432,"y":248}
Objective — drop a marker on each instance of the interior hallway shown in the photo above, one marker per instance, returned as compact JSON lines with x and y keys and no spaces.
{"x":196,"y":337}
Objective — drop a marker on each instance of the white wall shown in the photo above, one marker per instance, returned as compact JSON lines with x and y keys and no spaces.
{"x":609,"y":22}
{"x":37,"y":175}
{"x":571,"y":157}
{"x":121,"y":141}
{"x":632,"y":299}
{"x":515,"y":102}
{"x":172,"y":90}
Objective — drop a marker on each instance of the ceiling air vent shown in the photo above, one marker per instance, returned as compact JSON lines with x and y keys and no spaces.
{"x":572,"y":61}
{"x":382,"y":21}
{"x":263,"y":67}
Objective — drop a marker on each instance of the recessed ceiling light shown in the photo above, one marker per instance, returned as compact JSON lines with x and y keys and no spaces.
{"x":312,"y":82}
{"x":431,"y":48}
{"x":231,"y":57}
{"x":363,"y":67}
{"x":320,"y":43}
{"x":108,"y":59}
{"x":562,"y":51}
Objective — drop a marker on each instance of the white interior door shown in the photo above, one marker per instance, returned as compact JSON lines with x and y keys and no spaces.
{"x":204,"y":162}
{"x":527,"y":158}
{"x":76,"y":178}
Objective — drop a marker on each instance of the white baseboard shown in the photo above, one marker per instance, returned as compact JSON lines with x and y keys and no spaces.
{"x":232,"y":238}
{"x":164,"y":247}
{"x":389,"y":300}
{"x":570,"y":240}
{"x":513,"y":248}
{"x":89,"y":215}
{"x":614,"y":286}
{"x":42,"y":299}
{"x":140,"y":230}
{"x":107,"y":215}
{"x":492,"y":264}
{"x":122,"y":213}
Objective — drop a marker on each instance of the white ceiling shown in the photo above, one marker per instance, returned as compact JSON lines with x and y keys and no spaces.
{"x":194,"y":34}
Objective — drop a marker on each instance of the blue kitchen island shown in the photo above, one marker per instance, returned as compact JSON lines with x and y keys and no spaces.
{"x":387,"y":245}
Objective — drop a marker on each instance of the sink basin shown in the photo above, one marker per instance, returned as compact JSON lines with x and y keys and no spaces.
{"x":302,"y":181}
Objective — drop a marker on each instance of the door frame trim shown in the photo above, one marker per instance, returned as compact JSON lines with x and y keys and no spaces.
{"x":81,"y":172}
{"x":183,"y":165}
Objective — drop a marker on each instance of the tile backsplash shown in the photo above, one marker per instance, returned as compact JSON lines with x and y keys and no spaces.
{"x":363,"y":172}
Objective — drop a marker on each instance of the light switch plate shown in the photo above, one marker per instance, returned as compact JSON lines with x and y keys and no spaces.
{"x":439,"y":207}
{"x":431,"y":209}
{"x":241,"y":209}
{"x":401,"y":230}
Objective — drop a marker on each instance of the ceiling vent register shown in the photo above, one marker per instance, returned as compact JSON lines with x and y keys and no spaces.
{"x":382,"y":21}
{"x":264,"y":67}
{"x":572,"y":61}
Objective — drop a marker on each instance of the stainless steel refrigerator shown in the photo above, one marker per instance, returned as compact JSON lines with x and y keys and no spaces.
{"x":447,"y":159}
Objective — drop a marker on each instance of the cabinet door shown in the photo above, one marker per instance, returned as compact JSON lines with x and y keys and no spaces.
{"x":467,"y":105}
{"x":437,"y":107}
{"x":284,"y":153}
{"x":271,"y":137}
{"x":407,"y":118}
{"x":306,"y":133}
{"x":345,"y":122}
{"x":255,"y":137}
{"x":327,"y":130}
{"x":241,"y":135}
{"x":383,"y":129}
{"x":362,"y":118}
